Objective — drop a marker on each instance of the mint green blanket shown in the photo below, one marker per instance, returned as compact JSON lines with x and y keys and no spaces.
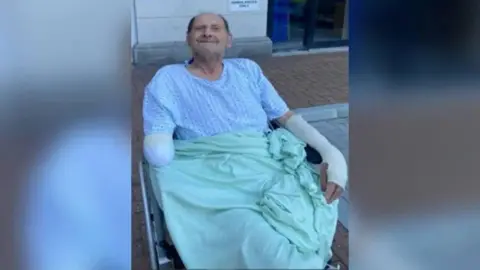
{"x":246,"y":200}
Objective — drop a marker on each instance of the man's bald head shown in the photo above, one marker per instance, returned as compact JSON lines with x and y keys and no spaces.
{"x":192,"y":21}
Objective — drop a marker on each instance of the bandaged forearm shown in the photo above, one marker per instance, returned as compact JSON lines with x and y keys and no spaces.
{"x":337,"y":165}
{"x":158,"y":149}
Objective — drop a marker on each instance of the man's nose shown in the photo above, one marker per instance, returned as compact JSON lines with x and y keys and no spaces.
{"x":207,"y":32}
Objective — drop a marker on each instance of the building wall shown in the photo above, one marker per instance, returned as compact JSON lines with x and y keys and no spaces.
{"x":166,"y":20}
{"x":133,"y":26}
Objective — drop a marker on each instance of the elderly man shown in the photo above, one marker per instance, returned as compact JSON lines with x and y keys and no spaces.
{"x":208,"y":97}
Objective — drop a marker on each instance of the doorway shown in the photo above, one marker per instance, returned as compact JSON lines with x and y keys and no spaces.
{"x":306,"y":24}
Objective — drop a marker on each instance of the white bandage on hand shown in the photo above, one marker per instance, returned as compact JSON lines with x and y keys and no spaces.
{"x":158,"y":149}
{"x":337,"y":165}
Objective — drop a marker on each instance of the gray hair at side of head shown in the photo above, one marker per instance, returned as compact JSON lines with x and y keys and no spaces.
{"x":192,"y":20}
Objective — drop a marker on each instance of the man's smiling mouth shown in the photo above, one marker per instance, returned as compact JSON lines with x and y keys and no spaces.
{"x":207,"y":41}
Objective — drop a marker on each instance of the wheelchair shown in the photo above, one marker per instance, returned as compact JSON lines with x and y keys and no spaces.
{"x":162,"y":252}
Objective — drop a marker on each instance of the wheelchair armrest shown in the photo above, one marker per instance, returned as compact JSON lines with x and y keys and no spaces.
{"x":312,"y":155}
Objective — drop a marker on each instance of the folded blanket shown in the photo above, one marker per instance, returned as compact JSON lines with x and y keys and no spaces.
{"x":246,"y":200}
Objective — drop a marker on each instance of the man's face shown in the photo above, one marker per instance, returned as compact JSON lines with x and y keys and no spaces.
{"x":209,"y":35}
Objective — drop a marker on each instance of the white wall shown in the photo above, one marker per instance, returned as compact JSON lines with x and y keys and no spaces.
{"x":166,"y":20}
{"x":133,"y":26}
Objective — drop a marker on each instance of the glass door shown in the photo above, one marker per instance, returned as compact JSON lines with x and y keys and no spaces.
{"x":286,"y":23}
{"x":328,"y":26}
{"x":305,"y":24}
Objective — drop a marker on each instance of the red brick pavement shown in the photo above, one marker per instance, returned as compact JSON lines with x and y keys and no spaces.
{"x":303,"y":81}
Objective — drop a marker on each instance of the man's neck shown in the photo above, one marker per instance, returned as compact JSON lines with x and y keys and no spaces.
{"x":209,"y":67}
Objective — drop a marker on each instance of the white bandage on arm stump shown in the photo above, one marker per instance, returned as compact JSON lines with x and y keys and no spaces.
{"x":337,"y":165}
{"x":158,"y":149}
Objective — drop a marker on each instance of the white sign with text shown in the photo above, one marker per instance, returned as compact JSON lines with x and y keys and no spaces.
{"x":244,"y":5}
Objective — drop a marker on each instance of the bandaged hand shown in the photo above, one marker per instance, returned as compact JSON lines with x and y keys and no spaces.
{"x":336,"y":164}
{"x":158,"y":149}
{"x":331,"y":190}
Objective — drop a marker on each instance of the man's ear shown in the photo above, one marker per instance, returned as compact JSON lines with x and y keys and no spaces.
{"x":229,"y":41}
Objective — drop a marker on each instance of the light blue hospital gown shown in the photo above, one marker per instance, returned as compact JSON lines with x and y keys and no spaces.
{"x":192,"y":107}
